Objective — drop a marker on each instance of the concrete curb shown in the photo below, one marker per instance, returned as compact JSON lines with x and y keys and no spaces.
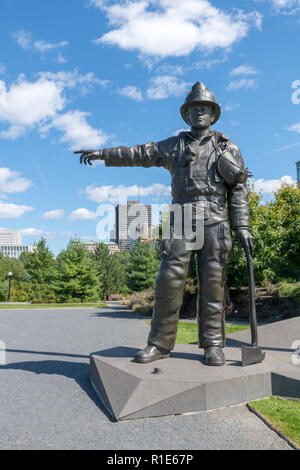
{"x":271,"y":426}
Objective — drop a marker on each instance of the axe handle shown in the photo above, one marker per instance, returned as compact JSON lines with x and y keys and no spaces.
{"x":253,"y":320}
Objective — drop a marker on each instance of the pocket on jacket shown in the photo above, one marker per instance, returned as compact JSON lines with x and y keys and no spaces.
{"x":225,"y":240}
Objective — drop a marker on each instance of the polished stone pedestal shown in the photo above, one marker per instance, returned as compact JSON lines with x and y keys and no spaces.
{"x":184,"y":384}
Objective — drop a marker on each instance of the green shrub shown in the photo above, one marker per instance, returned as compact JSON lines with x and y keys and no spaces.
{"x":141,"y":302}
{"x":19,"y":295}
{"x":291,"y":290}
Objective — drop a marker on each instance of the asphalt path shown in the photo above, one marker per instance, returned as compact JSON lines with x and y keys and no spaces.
{"x":47,"y":402}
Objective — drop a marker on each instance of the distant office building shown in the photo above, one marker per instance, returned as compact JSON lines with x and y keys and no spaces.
{"x":11,"y":244}
{"x":15,"y":251}
{"x":298,"y":172}
{"x":10,"y":237}
{"x":113,"y":247}
{"x":133,"y":222}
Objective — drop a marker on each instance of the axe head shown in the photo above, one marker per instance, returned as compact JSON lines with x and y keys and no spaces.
{"x":252,"y":355}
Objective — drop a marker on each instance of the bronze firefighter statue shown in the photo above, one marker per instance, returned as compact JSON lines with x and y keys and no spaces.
{"x":208,"y":171}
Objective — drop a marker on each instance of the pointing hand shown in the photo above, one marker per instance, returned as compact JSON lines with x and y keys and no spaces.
{"x":88,"y":155}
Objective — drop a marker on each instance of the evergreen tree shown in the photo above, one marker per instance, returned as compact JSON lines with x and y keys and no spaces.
{"x":40,"y":268}
{"x":142,"y":266}
{"x":40,"y":265}
{"x":76,"y":277}
{"x":111,"y":271}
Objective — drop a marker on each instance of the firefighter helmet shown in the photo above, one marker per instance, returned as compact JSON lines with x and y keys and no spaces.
{"x":200,"y":94}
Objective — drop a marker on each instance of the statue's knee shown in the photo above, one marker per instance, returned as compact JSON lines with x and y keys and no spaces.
{"x":171,"y":275}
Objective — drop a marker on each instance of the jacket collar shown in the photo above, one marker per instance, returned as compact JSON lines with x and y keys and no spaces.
{"x":206,"y":138}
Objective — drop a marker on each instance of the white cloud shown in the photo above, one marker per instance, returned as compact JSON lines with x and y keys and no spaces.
{"x":60,"y":59}
{"x":77,"y":132}
{"x":82,"y":214}
{"x":26,"y":105}
{"x":25,"y":40}
{"x":37,"y":233}
{"x":114,"y":194}
{"x":280,"y":5}
{"x":164,"y":86}
{"x":72,"y":79}
{"x":44,"y":46}
{"x":13,"y":211}
{"x":285,"y":147}
{"x":12,"y":182}
{"x":208,"y":63}
{"x":99,"y":3}
{"x":29,"y":103}
{"x":177,"y":132}
{"x":2,"y":69}
{"x":131,"y":92}
{"x":243,"y":84}
{"x":168,"y":69}
{"x":31,"y":232}
{"x":173,"y":27}
{"x":294,"y":127}
{"x":244,"y":70}
{"x":230,"y":107}
{"x":269,"y":186}
{"x":55,"y":214}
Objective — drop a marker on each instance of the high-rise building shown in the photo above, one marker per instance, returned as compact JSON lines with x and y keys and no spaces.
{"x":11,"y":244}
{"x":133,"y":221}
{"x":112,"y":235}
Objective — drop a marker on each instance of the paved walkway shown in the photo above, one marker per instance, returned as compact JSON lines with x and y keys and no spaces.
{"x":47,"y":402}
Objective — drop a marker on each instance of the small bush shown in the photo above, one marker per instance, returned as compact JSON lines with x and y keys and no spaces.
{"x":270,"y":288}
{"x":291,"y":290}
{"x":141,"y":302}
{"x":19,"y":295}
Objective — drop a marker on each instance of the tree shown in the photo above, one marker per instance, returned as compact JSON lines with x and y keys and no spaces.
{"x":76,"y":277}
{"x":40,"y":268}
{"x":275,"y":227}
{"x":40,"y":265}
{"x":111,"y":270}
{"x":286,"y":209}
{"x":142,"y":267}
{"x":16,"y":267}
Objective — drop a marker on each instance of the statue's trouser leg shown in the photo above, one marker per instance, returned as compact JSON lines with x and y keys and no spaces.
{"x":170,"y":282}
{"x":211,"y":266}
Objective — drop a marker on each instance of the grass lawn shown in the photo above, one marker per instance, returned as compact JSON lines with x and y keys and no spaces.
{"x":34,"y":306}
{"x":283,"y":414}
{"x":188,"y":331}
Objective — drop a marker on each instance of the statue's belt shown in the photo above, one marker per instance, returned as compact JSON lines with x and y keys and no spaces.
{"x":197,"y":198}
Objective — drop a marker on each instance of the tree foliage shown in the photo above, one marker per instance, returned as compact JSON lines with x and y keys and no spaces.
{"x":76,"y":276}
{"x":111,"y":271}
{"x":142,"y":267}
{"x":40,"y":265}
{"x":275,"y":227}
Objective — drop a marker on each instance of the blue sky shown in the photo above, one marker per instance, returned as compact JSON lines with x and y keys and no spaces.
{"x":100,"y":73}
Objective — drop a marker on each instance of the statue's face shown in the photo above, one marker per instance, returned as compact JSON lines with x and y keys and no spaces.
{"x":200,"y":116}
